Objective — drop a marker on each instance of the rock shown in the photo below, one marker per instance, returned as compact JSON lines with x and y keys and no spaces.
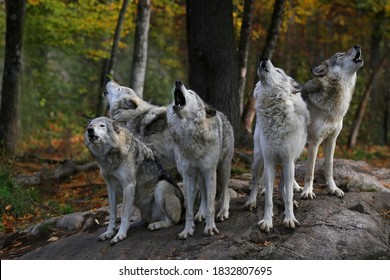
{"x":350,"y":176}
{"x":239,"y":185}
{"x":353,"y":228}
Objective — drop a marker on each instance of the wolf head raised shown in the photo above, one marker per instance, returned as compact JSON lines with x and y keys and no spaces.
{"x":120,"y":97}
{"x":275,"y":78}
{"x":188,"y":104}
{"x":340,"y":65}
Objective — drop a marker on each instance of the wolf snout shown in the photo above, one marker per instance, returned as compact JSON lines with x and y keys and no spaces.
{"x":358,"y":56}
{"x":91,"y":133}
{"x":110,"y":86}
{"x":263,"y":63}
{"x":178,"y":84}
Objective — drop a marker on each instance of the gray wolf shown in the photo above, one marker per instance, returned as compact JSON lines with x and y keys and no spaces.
{"x":279,"y":139}
{"x":145,"y":121}
{"x":131,"y":168}
{"x":204,"y":146}
{"x":328,"y":96}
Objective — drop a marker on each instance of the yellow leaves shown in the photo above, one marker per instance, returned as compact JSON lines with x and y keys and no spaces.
{"x":8,"y":223}
{"x":387,"y":9}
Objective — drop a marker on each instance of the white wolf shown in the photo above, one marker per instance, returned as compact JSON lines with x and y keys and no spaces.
{"x":204,"y":147}
{"x":129,"y":167}
{"x":328,"y":96}
{"x":279,"y":138}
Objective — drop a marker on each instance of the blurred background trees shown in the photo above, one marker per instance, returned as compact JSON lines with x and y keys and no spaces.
{"x":66,"y":43}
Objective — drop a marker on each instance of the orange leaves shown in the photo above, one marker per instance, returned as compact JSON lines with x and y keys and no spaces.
{"x":8,"y":223}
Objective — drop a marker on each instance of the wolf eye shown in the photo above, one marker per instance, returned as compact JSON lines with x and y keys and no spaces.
{"x":279,"y":72}
{"x":102,"y":125}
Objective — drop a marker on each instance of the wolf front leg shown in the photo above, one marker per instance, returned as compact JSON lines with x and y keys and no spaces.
{"x":211,"y":190}
{"x":127,"y":210}
{"x":288,"y":192}
{"x":201,"y":215}
{"x":223,"y":178}
{"x":330,"y":145}
{"x":257,"y":172}
{"x":308,"y":192}
{"x":112,"y":199}
{"x":269,"y":178}
{"x":190,"y":190}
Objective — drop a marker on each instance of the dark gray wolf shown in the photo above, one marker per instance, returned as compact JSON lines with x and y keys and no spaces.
{"x":328,"y":96}
{"x":279,"y":138}
{"x":130,"y":167}
{"x":204,"y":145}
{"x":145,"y":121}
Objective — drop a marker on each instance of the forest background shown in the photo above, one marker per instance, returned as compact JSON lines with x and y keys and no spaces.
{"x":66,"y":45}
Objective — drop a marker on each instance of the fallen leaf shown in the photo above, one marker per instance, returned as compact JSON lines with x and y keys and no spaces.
{"x":267,"y":243}
{"x":53,"y":238}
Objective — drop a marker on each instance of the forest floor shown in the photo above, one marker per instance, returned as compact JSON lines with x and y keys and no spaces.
{"x":86,"y":191}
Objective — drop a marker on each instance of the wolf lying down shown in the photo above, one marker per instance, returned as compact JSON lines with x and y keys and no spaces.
{"x":129,"y":167}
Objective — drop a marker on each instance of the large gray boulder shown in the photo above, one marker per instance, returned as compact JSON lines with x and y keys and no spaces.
{"x":355,"y":227}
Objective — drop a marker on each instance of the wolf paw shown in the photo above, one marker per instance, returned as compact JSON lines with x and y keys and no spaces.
{"x":106,"y":235}
{"x":337,"y":192}
{"x":185,"y":234}
{"x":199,"y":217}
{"x":154,"y":226}
{"x":307,"y":195}
{"x":295,"y":204}
{"x":118,"y":237}
{"x":223,"y":215}
{"x":265,"y":225}
{"x":297,"y":188}
{"x":290,"y":222}
{"x":210,"y":231}
{"x":250,"y":205}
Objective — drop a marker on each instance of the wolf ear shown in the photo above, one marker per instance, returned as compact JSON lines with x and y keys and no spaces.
{"x":210,"y":111}
{"x":128,"y":104}
{"x":321,"y":70}
{"x":296,"y":87}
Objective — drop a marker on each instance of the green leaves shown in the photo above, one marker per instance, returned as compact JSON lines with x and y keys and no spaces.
{"x":75,"y":27}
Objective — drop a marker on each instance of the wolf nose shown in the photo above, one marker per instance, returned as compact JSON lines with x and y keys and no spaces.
{"x":265,"y":58}
{"x":90,"y":130}
{"x":356,"y":47}
{"x":178,"y":84}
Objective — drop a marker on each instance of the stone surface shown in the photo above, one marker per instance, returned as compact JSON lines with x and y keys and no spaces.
{"x":355,"y":227}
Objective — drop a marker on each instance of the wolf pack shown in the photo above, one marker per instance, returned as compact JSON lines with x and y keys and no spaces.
{"x":140,"y":144}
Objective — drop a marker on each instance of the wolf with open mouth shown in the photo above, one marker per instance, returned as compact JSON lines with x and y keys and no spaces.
{"x":204,"y":146}
{"x":328,"y":96}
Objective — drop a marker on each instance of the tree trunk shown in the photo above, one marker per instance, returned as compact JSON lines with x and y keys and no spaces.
{"x":140,"y":54}
{"x":109,"y":63}
{"x":268,"y":50}
{"x":386,"y":118}
{"x":212,"y":57}
{"x":15,"y":11}
{"x":243,"y":49}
